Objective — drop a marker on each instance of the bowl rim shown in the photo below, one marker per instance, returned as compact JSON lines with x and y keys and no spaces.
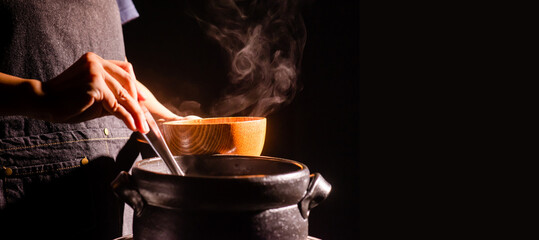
{"x":202,"y":121}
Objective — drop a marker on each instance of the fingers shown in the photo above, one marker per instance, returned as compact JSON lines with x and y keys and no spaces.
{"x":128,"y":67}
{"x":120,"y":97}
{"x":191,"y":117}
{"x":178,"y":118}
{"x":93,"y":87}
{"x":120,"y":78}
{"x":120,"y":103}
{"x":111,"y":105}
{"x":123,"y":72}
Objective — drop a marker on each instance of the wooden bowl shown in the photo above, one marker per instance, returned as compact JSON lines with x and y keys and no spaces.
{"x":225,"y":135}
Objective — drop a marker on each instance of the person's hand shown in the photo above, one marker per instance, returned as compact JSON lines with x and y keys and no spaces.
{"x":157,"y":110}
{"x":93,"y":87}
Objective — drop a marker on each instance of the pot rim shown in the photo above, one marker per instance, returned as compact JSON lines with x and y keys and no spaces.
{"x":292,"y":174}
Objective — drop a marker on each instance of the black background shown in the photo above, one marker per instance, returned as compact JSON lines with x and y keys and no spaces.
{"x":320,"y":127}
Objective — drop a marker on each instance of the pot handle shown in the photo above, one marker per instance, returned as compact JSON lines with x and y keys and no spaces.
{"x":317,"y":191}
{"x":126,"y":190}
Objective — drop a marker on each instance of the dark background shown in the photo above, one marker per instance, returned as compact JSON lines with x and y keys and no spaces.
{"x":320,"y":127}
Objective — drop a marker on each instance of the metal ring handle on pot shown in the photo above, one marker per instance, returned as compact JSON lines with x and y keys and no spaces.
{"x":126,"y":190}
{"x":317,"y":191}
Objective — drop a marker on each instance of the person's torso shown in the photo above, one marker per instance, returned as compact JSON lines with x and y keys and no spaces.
{"x":42,"y":164}
{"x":40,"y":39}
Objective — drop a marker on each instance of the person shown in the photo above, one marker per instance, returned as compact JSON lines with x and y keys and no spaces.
{"x":70,"y":110}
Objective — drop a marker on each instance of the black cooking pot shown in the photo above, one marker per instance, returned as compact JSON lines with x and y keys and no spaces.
{"x":221,"y":197}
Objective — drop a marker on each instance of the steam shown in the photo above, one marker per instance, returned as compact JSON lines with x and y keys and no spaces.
{"x":264,"y":41}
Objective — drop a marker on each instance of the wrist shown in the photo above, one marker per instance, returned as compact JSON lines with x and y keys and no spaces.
{"x":35,"y":88}
{"x":32,"y":99}
{"x":19,"y":96}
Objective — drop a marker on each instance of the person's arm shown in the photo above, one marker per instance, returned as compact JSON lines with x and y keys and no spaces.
{"x":157,"y":109}
{"x":92,"y":87}
{"x":19,"y":96}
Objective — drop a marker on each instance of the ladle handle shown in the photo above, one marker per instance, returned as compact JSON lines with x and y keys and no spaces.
{"x":317,"y":191}
{"x":157,"y":141}
{"x":126,"y":190}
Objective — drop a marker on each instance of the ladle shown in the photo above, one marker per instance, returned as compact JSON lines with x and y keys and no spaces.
{"x":156,"y":140}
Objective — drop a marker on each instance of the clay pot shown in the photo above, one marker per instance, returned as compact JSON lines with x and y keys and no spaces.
{"x":221,"y":197}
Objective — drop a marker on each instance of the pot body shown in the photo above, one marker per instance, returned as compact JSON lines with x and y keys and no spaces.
{"x":278,"y":223}
{"x":221,"y":197}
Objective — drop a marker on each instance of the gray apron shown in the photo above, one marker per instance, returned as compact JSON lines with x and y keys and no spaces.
{"x":54,"y":178}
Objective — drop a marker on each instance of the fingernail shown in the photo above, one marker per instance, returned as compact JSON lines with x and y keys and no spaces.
{"x":145,"y":127}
